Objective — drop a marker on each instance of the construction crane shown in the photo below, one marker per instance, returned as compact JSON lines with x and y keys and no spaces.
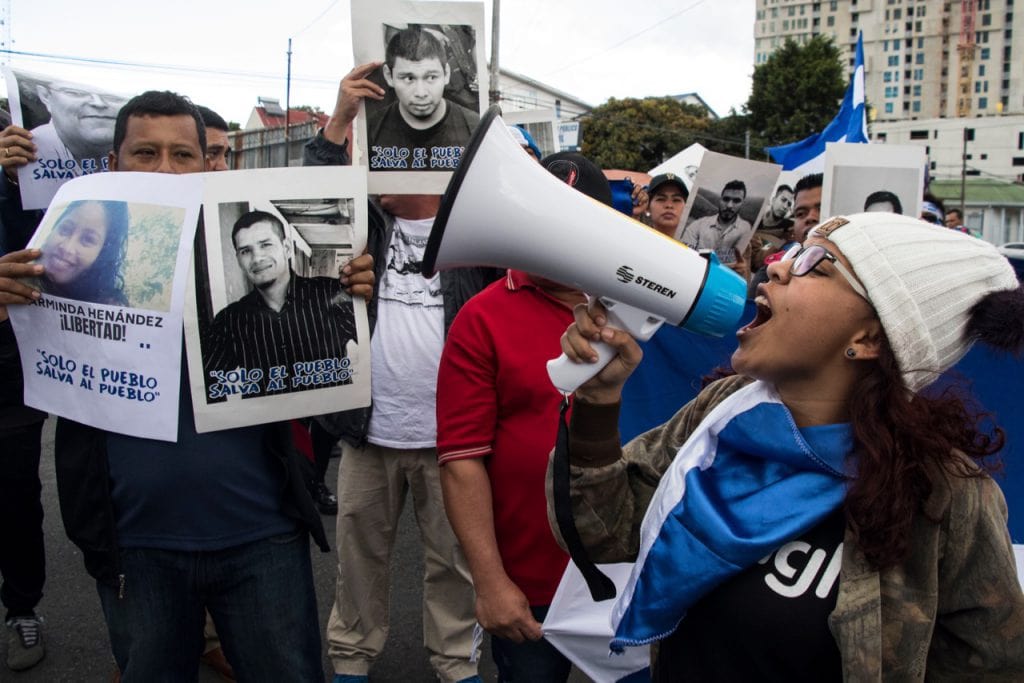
{"x":966,"y":48}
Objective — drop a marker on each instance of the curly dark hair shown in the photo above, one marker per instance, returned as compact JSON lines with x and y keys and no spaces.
{"x":900,"y":441}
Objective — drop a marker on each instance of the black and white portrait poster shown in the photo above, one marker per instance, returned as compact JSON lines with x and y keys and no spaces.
{"x":270,"y":332}
{"x":860,"y":177}
{"x":72,"y":126}
{"x":102,"y":346}
{"x":728,"y":197}
{"x":435,"y":78}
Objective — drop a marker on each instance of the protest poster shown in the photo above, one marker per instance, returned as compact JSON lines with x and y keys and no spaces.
{"x":435,"y":80}
{"x":102,"y":345}
{"x":728,"y":197}
{"x":861,"y":177}
{"x":72,"y":126}
{"x":270,"y":332}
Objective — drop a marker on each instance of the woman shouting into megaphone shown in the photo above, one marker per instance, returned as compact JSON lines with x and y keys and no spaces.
{"x":825,"y":513}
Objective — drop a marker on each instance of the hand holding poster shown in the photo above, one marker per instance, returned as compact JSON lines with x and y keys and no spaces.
{"x":435,"y":81}
{"x":102,"y":345}
{"x":72,"y":127}
{"x":271,"y":334}
{"x":730,"y":198}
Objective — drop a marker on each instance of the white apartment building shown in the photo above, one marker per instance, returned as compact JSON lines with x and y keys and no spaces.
{"x":917,"y":58}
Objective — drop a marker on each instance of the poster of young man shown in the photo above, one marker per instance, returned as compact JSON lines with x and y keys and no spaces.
{"x":270,"y":331}
{"x":102,"y":345}
{"x":72,"y":126}
{"x":435,"y":81}
{"x":872,"y":178}
{"x":731,"y":195}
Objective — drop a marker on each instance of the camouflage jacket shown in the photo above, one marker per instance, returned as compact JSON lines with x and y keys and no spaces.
{"x":953,"y":611}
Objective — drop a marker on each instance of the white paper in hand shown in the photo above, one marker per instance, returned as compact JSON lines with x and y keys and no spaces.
{"x":581,"y":629}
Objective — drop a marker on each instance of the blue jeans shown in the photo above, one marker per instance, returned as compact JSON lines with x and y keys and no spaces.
{"x":261,"y":597}
{"x":22,"y":559}
{"x":533,"y":661}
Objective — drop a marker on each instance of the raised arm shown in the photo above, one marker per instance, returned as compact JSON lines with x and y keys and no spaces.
{"x":328,"y":147}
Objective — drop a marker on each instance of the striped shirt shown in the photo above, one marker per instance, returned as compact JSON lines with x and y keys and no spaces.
{"x":256,"y":351}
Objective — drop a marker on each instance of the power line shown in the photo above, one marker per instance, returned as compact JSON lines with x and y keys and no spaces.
{"x":653,"y":26}
{"x":316,"y":19}
{"x":201,"y":71}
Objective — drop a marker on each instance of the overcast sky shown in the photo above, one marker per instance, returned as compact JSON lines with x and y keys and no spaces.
{"x":226,"y":53}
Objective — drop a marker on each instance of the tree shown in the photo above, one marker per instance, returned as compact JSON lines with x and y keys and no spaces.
{"x":796,"y":92}
{"x":637,"y":134}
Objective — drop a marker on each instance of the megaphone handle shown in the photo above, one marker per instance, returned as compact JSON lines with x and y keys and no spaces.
{"x":567,"y":376}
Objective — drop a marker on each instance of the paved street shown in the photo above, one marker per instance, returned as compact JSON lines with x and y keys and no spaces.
{"x":76,"y":638}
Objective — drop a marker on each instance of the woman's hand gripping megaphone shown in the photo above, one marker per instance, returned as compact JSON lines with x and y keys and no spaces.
{"x":599,"y":350}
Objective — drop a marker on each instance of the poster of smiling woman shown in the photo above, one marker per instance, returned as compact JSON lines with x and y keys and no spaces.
{"x":270,"y":331}
{"x":435,"y":82}
{"x":72,"y":126}
{"x":102,"y":344}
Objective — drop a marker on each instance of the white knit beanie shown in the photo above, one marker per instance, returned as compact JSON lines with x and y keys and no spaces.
{"x":923,"y":280}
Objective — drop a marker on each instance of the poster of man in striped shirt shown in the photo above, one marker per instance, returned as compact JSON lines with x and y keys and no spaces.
{"x":277,"y":335}
{"x":289,"y":333}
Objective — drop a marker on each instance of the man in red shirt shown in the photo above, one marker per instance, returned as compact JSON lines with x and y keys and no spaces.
{"x":497,"y":419}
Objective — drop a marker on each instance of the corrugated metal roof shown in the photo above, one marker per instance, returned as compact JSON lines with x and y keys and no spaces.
{"x":980,"y":192}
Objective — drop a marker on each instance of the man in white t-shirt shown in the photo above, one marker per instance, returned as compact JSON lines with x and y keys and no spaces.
{"x":389,"y":450}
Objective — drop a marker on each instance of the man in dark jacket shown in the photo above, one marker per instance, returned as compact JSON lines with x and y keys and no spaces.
{"x":216,"y":520}
{"x":22,"y":557}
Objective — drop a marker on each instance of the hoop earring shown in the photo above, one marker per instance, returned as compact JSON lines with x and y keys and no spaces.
{"x":850,"y":353}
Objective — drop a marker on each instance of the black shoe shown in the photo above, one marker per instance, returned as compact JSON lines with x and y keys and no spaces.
{"x":325,"y":501}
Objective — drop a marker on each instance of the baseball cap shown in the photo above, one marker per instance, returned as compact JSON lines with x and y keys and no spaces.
{"x":665,"y":178}
{"x":579,"y":172}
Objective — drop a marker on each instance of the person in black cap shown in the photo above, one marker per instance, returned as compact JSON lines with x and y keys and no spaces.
{"x":668,"y":195}
{"x":497,"y":417}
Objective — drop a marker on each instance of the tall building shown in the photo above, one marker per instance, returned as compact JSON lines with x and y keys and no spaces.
{"x":923,"y":59}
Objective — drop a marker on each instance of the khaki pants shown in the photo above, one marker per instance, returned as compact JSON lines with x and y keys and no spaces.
{"x":372,"y":485}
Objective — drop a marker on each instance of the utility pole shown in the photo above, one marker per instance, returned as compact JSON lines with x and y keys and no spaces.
{"x":968,"y":135}
{"x":746,"y":144}
{"x":495,"y":92}
{"x":288,"y":107}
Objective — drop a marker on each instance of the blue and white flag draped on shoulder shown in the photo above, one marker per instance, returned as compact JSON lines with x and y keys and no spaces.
{"x":849,"y":125}
{"x":745,"y":482}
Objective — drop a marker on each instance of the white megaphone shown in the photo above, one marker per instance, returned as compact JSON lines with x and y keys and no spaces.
{"x":502,"y":209}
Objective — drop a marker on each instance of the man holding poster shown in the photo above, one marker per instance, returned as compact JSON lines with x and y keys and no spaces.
{"x":216,"y":520}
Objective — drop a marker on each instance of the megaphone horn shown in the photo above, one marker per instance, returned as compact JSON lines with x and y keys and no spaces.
{"x":502,"y":209}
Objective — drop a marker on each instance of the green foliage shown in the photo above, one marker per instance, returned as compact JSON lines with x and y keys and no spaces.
{"x":797,"y":92}
{"x":151,"y":255}
{"x":639,"y":134}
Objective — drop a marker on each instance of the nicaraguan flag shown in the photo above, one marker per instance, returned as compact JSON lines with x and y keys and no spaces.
{"x":849,"y":125}
{"x":745,"y":482}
